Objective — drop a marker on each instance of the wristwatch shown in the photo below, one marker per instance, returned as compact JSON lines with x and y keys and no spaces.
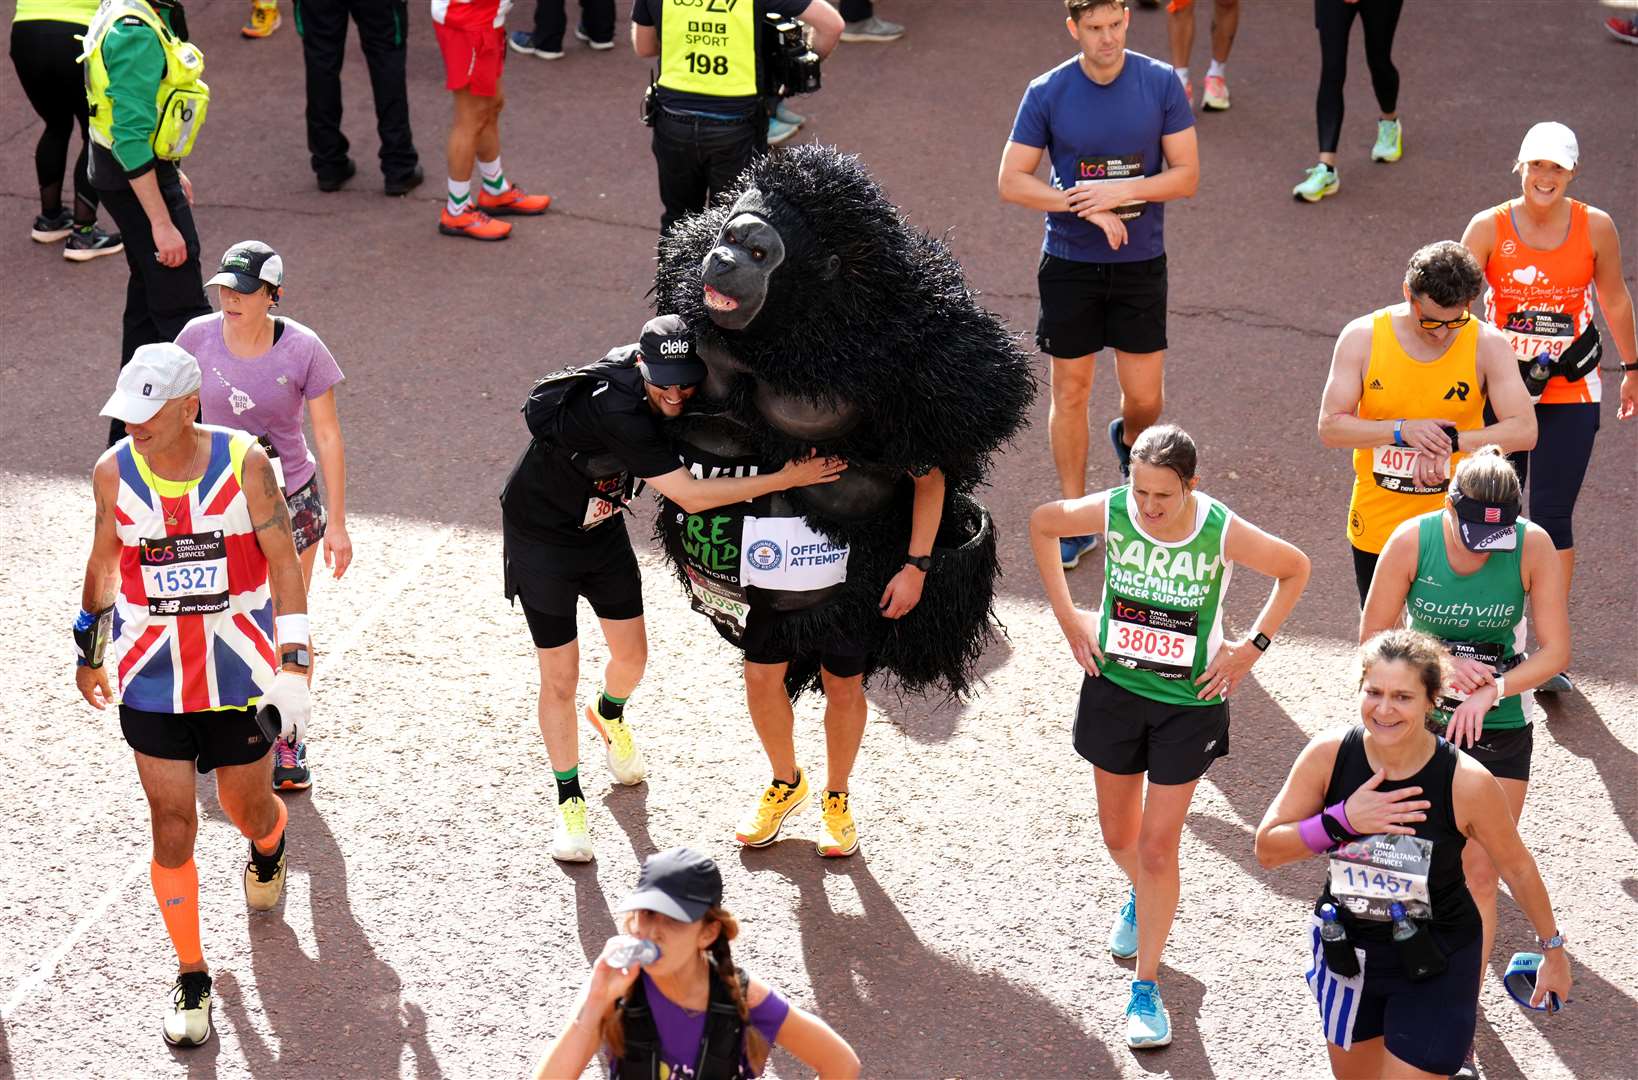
{"x":297,"y":655}
{"x":1554,"y":942}
{"x":1629,"y":367}
{"x":1261,"y":641}
{"x":924,"y":563}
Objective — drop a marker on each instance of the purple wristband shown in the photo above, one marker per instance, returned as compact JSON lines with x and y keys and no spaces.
{"x":1340,"y":816}
{"x":1313,"y":834}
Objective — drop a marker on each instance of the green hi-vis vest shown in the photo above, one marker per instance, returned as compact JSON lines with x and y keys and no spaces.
{"x":1479,"y":616}
{"x":1162,"y":602}
{"x":709,"y":47}
{"x":183,"y":96}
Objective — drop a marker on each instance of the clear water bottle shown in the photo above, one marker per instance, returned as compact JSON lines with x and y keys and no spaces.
{"x":630,"y":951}
{"x":1339,"y":954}
{"x":1417,"y":951}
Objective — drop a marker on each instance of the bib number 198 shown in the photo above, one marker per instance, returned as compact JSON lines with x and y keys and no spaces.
{"x":703,"y":64}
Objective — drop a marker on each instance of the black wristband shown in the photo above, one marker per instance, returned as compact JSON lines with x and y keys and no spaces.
{"x":1629,"y":367}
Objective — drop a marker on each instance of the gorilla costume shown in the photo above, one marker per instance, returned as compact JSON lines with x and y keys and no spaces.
{"x":826,"y":321}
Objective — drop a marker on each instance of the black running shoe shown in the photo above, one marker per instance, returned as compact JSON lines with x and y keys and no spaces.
{"x":1123,"y":453}
{"x":50,"y":228}
{"x":89,"y":242}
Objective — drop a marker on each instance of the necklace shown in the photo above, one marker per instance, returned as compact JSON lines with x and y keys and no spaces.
{"x":170,"y":511}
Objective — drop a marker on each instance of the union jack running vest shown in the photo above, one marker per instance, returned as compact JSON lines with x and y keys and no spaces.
{"x":193,"y":621}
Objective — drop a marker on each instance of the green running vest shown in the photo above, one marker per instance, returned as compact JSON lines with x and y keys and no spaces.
{"x":1479,"y":616}
{"x":1162,"y":602}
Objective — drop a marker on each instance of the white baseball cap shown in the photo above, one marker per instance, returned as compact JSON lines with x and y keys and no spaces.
{"x":155,"y":375}
{"x":1550,"y":141}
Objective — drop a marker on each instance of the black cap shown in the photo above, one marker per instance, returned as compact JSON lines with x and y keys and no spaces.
{"x":247,"y":266}
{"x":669,"y":359}
{"x":680,"y":883}
{"x":1486,"y":526}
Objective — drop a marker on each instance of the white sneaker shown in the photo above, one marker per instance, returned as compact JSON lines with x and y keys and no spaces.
{"x":625,"y":760}
{"x":187,"y":1013}
{"x":571,"y":842}
{"x":264,"y":878}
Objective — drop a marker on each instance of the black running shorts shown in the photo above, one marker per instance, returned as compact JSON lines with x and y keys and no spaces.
{"x":1126,"y":733}
{"x":1428,"y":1025}
{"x":208,"y":739}
{"x":840,"y":657}
{"x":1505,"y":753}
{"x":1086,"y":307}
{"x":550,"y":581}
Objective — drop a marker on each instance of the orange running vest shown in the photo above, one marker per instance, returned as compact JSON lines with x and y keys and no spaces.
{"x":1400,"y":387}
{"x":1542,"y":299}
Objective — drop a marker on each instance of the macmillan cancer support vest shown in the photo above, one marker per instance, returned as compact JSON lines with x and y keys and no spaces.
{"x":1542,"y":300}
{"x":1399,"y":387}
{"x":1478,"y":616}
{"x":1162,"y":613}
{"x":709,"y":47}
{"x":193,"y":619}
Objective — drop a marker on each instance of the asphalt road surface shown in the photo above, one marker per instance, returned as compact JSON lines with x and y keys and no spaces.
{"x":426,"y":933}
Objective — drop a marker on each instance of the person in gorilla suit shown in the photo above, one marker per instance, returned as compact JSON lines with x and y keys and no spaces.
{"x":826,"y":321}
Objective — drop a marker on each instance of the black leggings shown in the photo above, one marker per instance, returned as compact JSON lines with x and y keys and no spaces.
{"x":44,"y":53}
{"x":1564,"y":445}
{"x":1334,"y":20}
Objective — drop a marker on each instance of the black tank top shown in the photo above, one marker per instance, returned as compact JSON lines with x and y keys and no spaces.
{"x":1454,"y":915}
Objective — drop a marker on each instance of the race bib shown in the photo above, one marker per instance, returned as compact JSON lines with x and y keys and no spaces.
{"x":717,"y":600}
{"x":599,"y":510}
{"x":1104,"y":170}
{"x":1488,"y":653}
{"x":1394,"y":469}
{"x":1372,"y":873}
{"x":1531,"y":333}
{"x":1155,"y":639}
{"x":185,"y":575}
{"x":785,"y":553}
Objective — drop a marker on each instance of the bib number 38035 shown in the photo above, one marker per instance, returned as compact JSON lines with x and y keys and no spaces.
{"x":1156,"y":639}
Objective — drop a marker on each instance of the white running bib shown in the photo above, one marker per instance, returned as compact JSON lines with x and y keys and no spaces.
{"x":786,"y":553}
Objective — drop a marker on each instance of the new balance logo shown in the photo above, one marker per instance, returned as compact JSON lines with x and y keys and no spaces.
{"x":1376,"y":384}
{"x":1209,"y":746}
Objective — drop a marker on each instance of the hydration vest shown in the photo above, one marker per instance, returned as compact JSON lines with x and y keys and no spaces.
{"x":182,"y":99}
{"x":721,"y":1048}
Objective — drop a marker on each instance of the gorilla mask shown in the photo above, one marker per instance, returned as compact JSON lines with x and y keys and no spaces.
{"x":762,"y":233}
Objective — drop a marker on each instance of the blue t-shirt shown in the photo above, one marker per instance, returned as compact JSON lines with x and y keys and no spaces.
{"x":1111,"y":132}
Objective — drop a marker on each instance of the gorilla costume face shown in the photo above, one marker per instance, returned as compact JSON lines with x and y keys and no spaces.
{"x":826,"y":321}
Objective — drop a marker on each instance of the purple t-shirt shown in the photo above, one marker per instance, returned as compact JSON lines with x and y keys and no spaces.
{"x":681,"y":1031}
{"x":263,"y":396}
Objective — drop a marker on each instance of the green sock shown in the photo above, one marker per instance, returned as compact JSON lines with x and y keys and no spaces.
{"x":568,"y":784}
{"x":610,"y":707}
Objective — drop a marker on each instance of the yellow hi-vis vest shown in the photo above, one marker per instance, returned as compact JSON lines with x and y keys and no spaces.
{"x":183,"y":96}
{"x":709,"y":47}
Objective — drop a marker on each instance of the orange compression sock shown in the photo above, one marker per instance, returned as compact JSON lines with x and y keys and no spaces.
{"x":268,"y":844}
{"x":177,"y":890}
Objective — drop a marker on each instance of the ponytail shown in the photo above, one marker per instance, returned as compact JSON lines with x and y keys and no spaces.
{"x":722,"y":958}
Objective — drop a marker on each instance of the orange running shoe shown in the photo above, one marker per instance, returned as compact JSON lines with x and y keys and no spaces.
{"x":474,"y":223}
{"x":264,"y":19}
{"x":514,"y":200}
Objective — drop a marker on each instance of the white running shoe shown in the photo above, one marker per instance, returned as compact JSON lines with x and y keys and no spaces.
{"x":625,"y":760}
{"x":187,"y":1013}
{"x":571,"y":842}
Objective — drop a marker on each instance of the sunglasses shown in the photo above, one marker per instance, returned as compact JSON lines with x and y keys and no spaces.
{"x":1440,"y":324}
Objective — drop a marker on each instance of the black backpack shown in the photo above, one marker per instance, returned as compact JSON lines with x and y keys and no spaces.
{"x":721,"y":1047}
{"x":543,"y":413}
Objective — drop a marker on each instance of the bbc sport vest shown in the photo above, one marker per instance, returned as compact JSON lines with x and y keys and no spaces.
{"x":1543,"y":299}
{"x":193,"y":621}
{"x":1162,"y":618}
{"x":709,"y":47}
{"x":1400,"y":387}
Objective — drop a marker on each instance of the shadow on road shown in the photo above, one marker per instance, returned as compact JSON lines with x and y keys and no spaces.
{"x":911,"y":1011}
{"x":591,"y":908}
{"x":934,"y":718}
{"x":6,"y":1070}
{"x":629,"y":808}
{"x":1577,"y":727}
{"x":339,"y":1013}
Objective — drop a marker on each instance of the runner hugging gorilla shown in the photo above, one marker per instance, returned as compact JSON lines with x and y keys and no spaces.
{"x":827,"y":322}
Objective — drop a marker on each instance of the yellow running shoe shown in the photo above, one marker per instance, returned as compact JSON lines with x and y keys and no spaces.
{"x":264,"y":878}
{"x":837,"y":835}
{"x":264,"y":19}
{"x":572,"y":841}
{"x":625,"y":760}
{"x":761,"y":826}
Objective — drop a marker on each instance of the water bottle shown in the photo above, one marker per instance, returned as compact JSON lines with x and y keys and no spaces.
{"x":1418,"y":952}
{"x":1536,"y":374}
{"x":629,"y":951}
{"x":1339,"y":954}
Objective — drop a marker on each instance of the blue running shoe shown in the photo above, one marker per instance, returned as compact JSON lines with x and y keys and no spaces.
{"x":1123,"y":453}
{"x":1071,"y":548}
{"x":1123,"y":935}
{"x":1147,"y":1025}
{"x":1558,"y":684}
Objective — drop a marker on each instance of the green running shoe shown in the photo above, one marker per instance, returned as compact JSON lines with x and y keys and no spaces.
{"x":1390,"y":141}
{"x":1320,"y":182}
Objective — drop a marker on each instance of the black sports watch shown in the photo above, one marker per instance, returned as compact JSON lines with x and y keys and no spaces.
{"x":1261,"y":641}
{"x":295,"y":654}
{"x":924,"y":563}
{"x":1629,"y":367}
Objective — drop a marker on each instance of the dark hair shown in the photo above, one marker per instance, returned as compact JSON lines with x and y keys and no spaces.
{"x":1169,"y":447}
{"x":1421,"y":651}
{"x":1077,"y":8}
{"x":722,"y":959}
{"x":1445,"y":273}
